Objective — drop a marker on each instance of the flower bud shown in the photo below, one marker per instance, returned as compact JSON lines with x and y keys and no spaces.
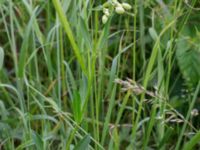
{"x":126,"y":6}
{"x":104,"y":19}
{"x":115,"y":1}
{"x":117,"y":4}
{"x":106,"y":12}
{"x":119,"y":10}
{"x":106,"y":4}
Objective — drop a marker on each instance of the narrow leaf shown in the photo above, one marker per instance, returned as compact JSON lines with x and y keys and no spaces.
{"x":83,"y":144}
{"x":1,"y":57}
{"x":65,"y":23}
{"x":195,"y":140}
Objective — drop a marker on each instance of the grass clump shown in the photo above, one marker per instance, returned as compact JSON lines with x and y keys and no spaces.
{"x":101,"y":74}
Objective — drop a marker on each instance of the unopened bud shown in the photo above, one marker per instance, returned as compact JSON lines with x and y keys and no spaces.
{"x":126,"y":6}
{"x":119,"y":10}
{"x":106,"y":4}
{"x":116,"y":3}
{"x":106,"y":12}
{"x":104,"y":19}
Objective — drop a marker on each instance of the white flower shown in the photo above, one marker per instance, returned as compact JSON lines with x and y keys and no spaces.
{"x":119,"y":10}
{"x":126,"y":6}
{"x":104,"y":19}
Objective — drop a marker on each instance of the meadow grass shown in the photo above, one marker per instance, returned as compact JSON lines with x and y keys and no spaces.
{"x":84,"y":74}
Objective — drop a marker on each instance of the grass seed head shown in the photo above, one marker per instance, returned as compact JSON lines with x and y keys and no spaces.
{"x":195,"y":112}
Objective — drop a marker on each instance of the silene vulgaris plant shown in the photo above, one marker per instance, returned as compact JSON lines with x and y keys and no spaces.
{"x":114,"y":6}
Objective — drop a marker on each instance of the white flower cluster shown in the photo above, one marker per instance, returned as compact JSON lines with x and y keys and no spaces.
{"x":120,"y":8}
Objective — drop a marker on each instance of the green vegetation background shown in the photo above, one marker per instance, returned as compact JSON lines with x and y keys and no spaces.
{"x":68,"y":81}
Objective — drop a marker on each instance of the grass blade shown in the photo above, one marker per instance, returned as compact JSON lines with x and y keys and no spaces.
{"x":1,"y":57}
{"x":69,"y":32}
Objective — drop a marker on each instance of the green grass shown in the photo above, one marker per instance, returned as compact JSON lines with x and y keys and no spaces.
{"x":68,"y":81}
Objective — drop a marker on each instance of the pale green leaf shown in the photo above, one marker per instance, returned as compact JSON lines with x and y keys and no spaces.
{"x":1,"y":57}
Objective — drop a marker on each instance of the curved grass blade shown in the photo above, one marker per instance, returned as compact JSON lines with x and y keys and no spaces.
{"x":68,"y":30}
